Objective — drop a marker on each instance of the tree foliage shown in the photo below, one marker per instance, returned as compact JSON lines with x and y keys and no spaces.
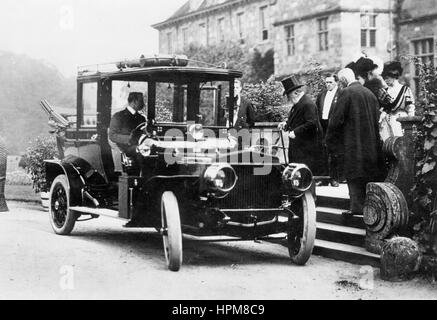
{"x":254,"y":65}
{"x":262,"y":66}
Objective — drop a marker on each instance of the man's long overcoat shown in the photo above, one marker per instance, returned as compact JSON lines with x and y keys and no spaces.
{"x":306,"y":148}
{"x":355,"y":119}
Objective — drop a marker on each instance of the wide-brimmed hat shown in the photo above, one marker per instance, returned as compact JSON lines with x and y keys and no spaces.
{"x":364,"y":65}
{"x":290,"y":84}
{"x":392,"y":69}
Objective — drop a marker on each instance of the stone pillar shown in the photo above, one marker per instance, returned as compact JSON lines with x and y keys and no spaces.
{"x":403,"y":153}
{"x":3,"y":164}
{"x":387,"y":206}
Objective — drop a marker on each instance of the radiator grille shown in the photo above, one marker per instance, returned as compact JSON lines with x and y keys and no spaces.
{"x":254,"y":191}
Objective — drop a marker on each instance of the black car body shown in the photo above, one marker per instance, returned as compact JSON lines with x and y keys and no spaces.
{"x":197,"y":176}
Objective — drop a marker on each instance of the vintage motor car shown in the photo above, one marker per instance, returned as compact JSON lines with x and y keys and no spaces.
{"x":197,"y":175}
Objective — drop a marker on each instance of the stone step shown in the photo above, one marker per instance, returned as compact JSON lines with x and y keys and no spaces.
{"x":341,"y":234}
{"x":344,"y":252}
{"x":334,"y":216}
{"x":331,"y":202}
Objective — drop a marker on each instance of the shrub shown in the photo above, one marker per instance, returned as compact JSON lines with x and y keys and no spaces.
{"x":41,"y":148}
{"x":268,"y":100}
{"x":313,"y":79}
{"x":424,"y":218}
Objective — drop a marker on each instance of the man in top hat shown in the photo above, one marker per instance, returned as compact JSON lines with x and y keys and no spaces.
{"x":303,"y":127}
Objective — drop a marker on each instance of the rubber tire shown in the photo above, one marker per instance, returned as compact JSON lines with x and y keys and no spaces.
{"x":71,"y":217}
{"x":170,"y":220}
{"x":309,"y":231}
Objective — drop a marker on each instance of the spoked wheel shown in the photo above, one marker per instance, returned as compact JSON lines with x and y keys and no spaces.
{"x":171,"y":230}
{"x":301,"y":230}
{"x":62,"y":218}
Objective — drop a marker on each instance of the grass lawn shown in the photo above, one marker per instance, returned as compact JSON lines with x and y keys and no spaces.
{"x":18,"y":184}
{"x":21,"y":193}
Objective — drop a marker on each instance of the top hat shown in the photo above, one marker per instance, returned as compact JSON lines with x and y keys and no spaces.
{"x":364,"y":65}
{"x":392,"y":69}
{"x":290,"y":84}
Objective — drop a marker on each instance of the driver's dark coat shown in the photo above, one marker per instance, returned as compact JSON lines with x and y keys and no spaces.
{"x":122,"y":124}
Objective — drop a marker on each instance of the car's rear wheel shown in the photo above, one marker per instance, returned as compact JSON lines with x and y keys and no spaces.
{"x":171,"y":230}
{"x":301,"y":231}
{"x":62,"y":218}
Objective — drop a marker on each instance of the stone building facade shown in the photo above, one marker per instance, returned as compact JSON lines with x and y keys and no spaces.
{"x":210,"y":22}
{"x":417,"y":27}
{"x":332,"y":32}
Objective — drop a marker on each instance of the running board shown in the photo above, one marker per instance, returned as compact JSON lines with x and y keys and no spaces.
{"x":98,"y":211}
{"x":219,"y":238}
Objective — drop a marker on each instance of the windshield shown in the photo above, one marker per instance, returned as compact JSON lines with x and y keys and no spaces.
{"x":200,"y":102}
{"x":203,"y":102}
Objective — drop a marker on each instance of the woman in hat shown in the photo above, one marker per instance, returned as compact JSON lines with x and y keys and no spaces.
{"x":303,"y":126}
{"x":403,"y":104}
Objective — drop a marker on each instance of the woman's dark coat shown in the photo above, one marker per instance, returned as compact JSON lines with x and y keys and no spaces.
{"x":306,"y":148}
{"x":355,"y":119}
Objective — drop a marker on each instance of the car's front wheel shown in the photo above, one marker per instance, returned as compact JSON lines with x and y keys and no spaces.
{"x":62,"y":218}
{"x":301,"y":231}
{"x":171,"y":230}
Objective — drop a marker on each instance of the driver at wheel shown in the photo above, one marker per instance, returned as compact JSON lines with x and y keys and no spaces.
{"x":124,"y":122}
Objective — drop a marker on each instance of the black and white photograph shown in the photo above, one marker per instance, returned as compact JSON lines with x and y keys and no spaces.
{"x":201,"y":151}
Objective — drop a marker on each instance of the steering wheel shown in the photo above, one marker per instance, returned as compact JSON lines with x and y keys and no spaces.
{"x":136,"y":133}
{"x":144,"y":128}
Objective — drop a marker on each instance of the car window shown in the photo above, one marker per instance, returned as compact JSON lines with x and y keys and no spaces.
{"x":171,"y":103}
{"x":120,"y":93}
{"x":208,"y":105}
{"x":89,"y":105}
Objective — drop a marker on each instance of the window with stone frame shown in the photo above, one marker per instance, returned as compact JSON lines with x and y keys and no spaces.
{"x":184,"y":37}
{"x":264,"y":24}
{"x":290,"y":40}
{"x":323,"y":33}
{"x":240,"y":25}
{"x":169,"y":42}
{"x":220,"y":29}
{"x":368,"y":30}
{"x":203,"y":35}
{"x":424,"y":50}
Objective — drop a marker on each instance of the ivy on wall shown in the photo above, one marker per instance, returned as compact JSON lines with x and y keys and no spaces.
{"x":424,"y":215}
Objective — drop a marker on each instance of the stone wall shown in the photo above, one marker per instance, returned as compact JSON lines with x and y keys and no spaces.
{"x":418,"y":8}
{"x":210,"y":35}
{"x":344,"y":37}
{"x":411,"y":32}
{"x":411,"y":29}
{"x":343,"y":26}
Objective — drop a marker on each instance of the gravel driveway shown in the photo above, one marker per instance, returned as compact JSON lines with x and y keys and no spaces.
{"x":101,"y":260}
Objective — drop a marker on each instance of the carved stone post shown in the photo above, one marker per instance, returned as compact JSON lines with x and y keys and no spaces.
{"x":3,"y":164}
{"x":386,"y":210}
